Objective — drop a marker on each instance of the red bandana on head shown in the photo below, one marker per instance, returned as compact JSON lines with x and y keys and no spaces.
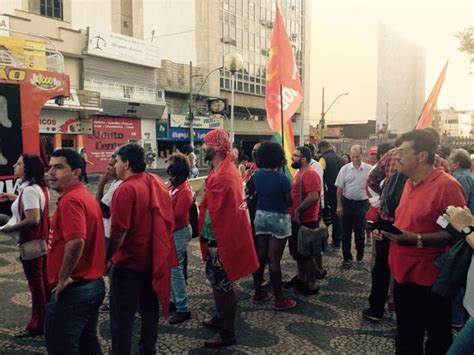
{"x":218,"y":139}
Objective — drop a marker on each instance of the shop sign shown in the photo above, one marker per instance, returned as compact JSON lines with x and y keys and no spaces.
{"x":124,"y":48}
{"x":182,"y":134}
{"x":202,"y":122}
{"x":162,"y":131}
{"x":108,"y":134}
{"x":59,"y":122}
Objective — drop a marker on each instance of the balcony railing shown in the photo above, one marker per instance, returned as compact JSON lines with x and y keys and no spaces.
{"x":111,"y":90}
{"x":25,"y":50}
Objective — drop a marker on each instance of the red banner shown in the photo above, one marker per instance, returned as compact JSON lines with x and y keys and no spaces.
{"x":281,"y":71}
{"x":109,"y":133}
{"x":426,"y":116}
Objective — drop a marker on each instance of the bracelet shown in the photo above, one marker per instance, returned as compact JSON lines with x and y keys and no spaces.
{"x":419,"y":241}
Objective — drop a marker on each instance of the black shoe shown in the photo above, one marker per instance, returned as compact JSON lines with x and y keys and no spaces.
{"x":305,"y":290}
{"x":347,"y":264}
{"x":179,"y":317}
{"x":220,"y":340}
{"x":172,"y":307}
{"x":27,"y":334}
{"x":294,"y":282}
{"x":370,"y":315}
{"x":360,"y":255}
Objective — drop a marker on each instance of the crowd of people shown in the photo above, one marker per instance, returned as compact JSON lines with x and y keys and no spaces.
{"x":412,"y":205}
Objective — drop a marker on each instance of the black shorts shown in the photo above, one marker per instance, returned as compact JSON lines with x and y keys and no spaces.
{"x":215,"y":272}
{"x":293,"y":240}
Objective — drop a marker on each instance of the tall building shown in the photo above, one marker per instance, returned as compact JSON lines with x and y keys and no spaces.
{"x":220,"y":27}
{"x":383,"y":72}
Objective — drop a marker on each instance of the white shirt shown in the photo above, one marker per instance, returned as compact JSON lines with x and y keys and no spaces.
{"x":107,"y":200}
{"x":32,"y":197}
{"x":319,"y":169}
{"x":352,"y":181}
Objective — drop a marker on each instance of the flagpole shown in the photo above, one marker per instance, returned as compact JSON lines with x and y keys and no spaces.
{"x":281,"y":113}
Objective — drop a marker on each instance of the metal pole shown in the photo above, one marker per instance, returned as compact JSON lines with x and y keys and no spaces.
{"x":323,"y":114}
{"x":232,"y":109}
{"x":281,"y":113}
{"x":191,"y":116}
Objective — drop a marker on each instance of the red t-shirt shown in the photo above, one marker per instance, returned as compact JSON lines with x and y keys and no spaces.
{"x":419,"y":208}
{"x":77,"y":215}
{"x":131,"y":213}
{"x":311,"y":182}
{"x":182,"y":200}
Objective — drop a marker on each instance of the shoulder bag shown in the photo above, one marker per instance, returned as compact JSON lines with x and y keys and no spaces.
{"x":311,"y":241}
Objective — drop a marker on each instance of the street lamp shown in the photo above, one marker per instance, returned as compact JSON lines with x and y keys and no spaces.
{"x":323,"y":113}
{"x":233,"y":62}
{"x":191,"y":113}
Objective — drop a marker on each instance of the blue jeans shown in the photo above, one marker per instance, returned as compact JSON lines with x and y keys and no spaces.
{"x":70,"y":325}
{"x":179,"y":294}
{"x":130,"y":290}
{"x":464,"y":342}
{"x":459,"y":314}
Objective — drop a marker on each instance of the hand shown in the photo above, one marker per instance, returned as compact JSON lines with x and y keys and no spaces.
{"x":339,"y":210}
{"x":406,"y":238}
{"x":376,"y":234}
{"x":7,"y":196}
{"x":61,"y":286}
{"x":104,"y":178}
{"x":459,"y":217}
{"x":297,"y":216}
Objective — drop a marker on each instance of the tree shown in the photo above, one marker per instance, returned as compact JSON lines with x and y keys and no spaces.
{"x":466,"y":42}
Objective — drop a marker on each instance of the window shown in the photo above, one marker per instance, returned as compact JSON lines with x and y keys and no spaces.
{"x":52,"y":8}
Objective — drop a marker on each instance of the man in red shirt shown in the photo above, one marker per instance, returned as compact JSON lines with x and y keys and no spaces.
{"x":75,"y":261}
{"x":426,"y":195}
{"x":132,"y":252}
{"x":227,"y":244}
{"x":305,"y":211}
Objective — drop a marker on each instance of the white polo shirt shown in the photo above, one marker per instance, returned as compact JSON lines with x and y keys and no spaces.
{"x":352,"y":181}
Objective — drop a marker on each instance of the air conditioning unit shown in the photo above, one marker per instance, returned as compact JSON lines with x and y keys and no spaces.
{"x":226,"y":39}
{"x":294,"y":36}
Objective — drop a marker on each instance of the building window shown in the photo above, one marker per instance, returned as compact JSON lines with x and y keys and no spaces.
{"x":52,"y":8}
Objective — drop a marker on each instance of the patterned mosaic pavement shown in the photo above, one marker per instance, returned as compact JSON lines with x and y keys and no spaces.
{"x":329,"y":323}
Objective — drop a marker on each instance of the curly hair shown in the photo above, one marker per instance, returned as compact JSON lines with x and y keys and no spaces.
{"x":270,"y":155}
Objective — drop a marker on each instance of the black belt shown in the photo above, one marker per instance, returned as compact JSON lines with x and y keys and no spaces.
{"x":77,"y":283}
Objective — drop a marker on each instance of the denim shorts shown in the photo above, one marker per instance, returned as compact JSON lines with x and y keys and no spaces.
{"x":215,"y":272}
{"x":274,"y":223}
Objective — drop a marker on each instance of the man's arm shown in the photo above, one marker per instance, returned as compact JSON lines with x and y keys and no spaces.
{"x":72,"y":253}
{"x":116,"y":240}
{"x":339,"y":201}
{"x":436,"y":239}
{"x":100,"y":193}
{"x":309,"y":201}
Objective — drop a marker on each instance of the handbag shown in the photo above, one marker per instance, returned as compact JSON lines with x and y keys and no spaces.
{"x":37,"y":247}
{"x":194,"y":220}
{"x":33,"y":249}
{"x":310,"y":241}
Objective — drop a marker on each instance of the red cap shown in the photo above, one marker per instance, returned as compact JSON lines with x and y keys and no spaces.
{"x":372,"y":150}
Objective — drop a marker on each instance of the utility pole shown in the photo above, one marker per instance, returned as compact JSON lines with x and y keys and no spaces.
{"x":323,"y":114}
{"x":191,"y":115}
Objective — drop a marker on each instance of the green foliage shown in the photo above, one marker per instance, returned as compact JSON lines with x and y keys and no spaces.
{"x":466,"y":42}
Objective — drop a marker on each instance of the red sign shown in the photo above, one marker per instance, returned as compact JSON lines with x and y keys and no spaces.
{"x":109,"y":133}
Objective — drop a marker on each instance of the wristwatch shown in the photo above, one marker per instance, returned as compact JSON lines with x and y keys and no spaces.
{"x":419,"y":241}
{"x":467,"y":230}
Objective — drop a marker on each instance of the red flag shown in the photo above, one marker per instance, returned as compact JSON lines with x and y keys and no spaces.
{"x":281,"y":70}
{"x":426,"y":115}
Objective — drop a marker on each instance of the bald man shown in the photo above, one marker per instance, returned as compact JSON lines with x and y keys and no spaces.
{"x":352,"y":204}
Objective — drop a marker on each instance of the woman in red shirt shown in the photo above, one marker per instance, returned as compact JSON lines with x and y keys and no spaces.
{"x":182,"y":200}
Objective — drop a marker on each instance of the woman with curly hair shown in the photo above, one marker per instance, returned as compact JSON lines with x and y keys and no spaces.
{"x":272,"y":221}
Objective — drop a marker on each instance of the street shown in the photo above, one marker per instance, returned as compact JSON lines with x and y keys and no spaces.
{"x":328,"y":323}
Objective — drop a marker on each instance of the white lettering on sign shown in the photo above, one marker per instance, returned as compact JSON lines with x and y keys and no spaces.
{"x":9,"y":186}
{"x":289,"y":95}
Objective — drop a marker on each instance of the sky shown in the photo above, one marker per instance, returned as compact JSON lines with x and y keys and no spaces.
{"x":432,"y":24}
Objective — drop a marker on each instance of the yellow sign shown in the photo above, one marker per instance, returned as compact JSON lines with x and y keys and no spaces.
{"x":31,"y":54}
{"x":12,"y":74}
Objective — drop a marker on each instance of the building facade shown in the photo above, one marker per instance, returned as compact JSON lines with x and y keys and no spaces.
{"x":456,"y":123}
